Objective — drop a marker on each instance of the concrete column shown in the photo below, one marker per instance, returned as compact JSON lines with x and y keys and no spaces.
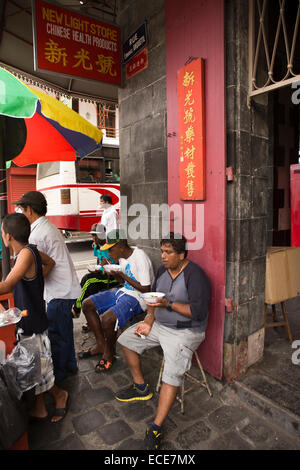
{"x":142,"y":107}
{"x":248,"y":201}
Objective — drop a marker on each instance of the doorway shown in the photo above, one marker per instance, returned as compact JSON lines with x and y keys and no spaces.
{"x":286,"y":153}
{"x":284,"y":119}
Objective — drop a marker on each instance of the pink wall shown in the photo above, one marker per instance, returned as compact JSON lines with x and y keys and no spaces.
{"x":196,"y":29}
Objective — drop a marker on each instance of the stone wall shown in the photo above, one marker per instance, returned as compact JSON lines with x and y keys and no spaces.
{"x":249,"y":200}
{"x":143,"y":167}
{"x":142,"y":106}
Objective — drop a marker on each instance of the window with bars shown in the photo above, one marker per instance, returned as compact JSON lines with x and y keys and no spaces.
{"x":274,"y":44}
{"x":107,"y":119}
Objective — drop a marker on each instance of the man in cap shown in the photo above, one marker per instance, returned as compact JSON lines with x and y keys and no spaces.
{"x":61,"y":286}
{"x":106,"y":311}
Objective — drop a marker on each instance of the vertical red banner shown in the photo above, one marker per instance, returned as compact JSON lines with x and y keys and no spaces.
{"x":191,"y":127}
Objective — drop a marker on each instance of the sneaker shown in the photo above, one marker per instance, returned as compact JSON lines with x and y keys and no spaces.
{"x":133,"y":393}
{"x":152,"y":439}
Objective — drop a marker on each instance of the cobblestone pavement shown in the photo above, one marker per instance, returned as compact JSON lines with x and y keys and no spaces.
{"x":97,"y":421}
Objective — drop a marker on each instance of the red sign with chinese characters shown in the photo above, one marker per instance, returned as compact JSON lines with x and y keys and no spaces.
{"x":76,"y":45}
{"x":137,"y":63}
{"x":191,"y":127}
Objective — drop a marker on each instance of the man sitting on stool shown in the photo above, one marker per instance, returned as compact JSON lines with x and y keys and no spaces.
{"x":177,"y":323}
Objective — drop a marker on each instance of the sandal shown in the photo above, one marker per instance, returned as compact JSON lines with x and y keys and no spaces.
{"x":61,"y":412}
{"x":85,"y":328}
{"x":87,"y":354}
{"x":103,"y":366}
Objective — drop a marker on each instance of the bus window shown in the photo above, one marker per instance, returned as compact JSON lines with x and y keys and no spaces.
{"x":47,"y":169}
{"x":89,"y":170}
{"x":112,"y":172}
{"x":108,"y":168}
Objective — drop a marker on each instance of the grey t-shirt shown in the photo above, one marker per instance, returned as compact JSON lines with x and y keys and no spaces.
{"x":191,"y":287}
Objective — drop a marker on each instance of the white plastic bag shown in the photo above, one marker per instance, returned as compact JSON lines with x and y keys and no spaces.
{"x":22,"y":368}
{"x":10,"y":316}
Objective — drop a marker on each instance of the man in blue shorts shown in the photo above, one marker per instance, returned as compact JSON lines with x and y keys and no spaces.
{"x":177,"y":323}
{"x":108,"y":310}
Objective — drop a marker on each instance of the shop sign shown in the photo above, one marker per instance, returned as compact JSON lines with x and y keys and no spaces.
{"x":137,"y":64}
{"x":191,"y":127}
{"x":135,"y":43}
{"x":66,"y":42}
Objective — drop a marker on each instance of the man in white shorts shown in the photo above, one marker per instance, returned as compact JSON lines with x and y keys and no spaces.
{"x":177,"y":323}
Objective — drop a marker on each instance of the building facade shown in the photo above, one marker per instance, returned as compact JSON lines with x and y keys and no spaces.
{"x":251,"y":137}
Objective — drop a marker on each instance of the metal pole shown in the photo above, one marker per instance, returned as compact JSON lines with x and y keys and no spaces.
{"x":3,"y":198}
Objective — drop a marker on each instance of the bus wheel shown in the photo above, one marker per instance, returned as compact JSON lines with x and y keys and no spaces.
{"x":66,"y":233}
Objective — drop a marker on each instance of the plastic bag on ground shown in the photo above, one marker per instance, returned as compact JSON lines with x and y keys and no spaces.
{"x":22,"y":368}
{"x":13,"y":419}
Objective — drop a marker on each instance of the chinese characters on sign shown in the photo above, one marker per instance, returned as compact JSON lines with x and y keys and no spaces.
{"x":72,"y":44}
{"x":191,"y":127}
{"x":137,"y":64}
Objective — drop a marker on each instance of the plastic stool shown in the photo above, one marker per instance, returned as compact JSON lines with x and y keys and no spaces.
{"x":187,"y":375}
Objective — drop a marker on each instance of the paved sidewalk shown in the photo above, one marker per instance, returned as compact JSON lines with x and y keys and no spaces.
{"x":97,"y":421}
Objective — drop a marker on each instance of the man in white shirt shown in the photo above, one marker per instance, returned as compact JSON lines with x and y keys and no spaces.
{"x":109,"y":218}
{"x":108,"y":310}
{"x":61,"y":286}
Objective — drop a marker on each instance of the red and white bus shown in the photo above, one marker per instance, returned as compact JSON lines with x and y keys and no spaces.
{"x":73,"y":190}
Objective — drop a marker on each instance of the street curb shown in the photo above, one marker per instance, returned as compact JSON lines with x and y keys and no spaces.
{"x":278,"y":415}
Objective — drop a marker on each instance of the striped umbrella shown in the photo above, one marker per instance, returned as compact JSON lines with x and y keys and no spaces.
{"x":52,"y":131}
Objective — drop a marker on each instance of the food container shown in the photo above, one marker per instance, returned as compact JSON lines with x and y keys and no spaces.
{"x":10,"y":316}
{"x":152,"y":297}
{"x":94,"y":267}
{"x":112,"y":267}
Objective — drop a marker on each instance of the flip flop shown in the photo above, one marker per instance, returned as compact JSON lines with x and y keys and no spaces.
{"x":86,"y":354}
{"x":61,"y":411}
{"x":103,"y":366}
{"x":85,"y":328}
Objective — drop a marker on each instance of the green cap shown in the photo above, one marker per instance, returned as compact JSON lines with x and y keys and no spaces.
{"x":112,"y":238}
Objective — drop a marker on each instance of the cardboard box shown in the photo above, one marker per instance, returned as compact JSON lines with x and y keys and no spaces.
{"x":293,"y":259}
{"x":277,"y":278}
{"x":282,"y":274}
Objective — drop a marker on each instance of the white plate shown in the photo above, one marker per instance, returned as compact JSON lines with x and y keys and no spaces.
{"x":152,"y":297}
{"x":112,"y":267}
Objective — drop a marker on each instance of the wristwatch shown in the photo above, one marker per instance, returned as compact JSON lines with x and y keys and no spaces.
{"x":169,"y":307}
